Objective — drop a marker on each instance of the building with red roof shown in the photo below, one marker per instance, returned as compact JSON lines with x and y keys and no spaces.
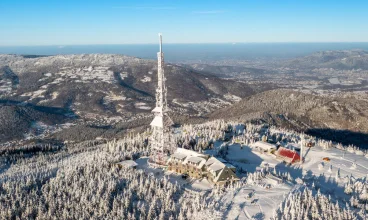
{"x":289,"y":156}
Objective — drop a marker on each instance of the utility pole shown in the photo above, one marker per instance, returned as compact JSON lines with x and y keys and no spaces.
{"x":301,"y":148}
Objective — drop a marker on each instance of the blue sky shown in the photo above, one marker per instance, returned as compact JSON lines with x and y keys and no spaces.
{"x":72,"y":22}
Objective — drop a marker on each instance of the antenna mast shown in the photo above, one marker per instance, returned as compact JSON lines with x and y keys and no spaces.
{"x":161,"y":138}
{"x":160,"y":35}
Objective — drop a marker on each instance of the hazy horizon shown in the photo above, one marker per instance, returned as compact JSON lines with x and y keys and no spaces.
{"x":190,"y":52}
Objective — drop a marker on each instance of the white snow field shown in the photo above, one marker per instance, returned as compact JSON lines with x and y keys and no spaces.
{"x":268,"y":200}
{"x":268,"y":188}
{"x":260,"y":199}
{"x":267,"y":182}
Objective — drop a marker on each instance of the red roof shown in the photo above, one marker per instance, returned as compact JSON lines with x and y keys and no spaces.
{"x":290,"y":155}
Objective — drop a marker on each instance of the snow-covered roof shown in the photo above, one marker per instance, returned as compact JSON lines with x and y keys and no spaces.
{"x":189,"y":152}
{"x":214,"y":160}
{"x":216,"y":166}
{"x":211,"y":161}
{"x":190,"y":156}
{"x":264,"y":145}
{"x":225,"y":174}
{"x":195,"y":159}
{"x":179,"y":156}
{"x":128,"y":163}
{"x":198,"y":161}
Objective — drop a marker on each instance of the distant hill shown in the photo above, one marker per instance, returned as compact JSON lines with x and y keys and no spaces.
{"x":108,"y":89}
{"x":343,"y":60}
{"x":108,"y":94}
{"x":225,"y":71}
{"x":304,"y":112}
{"x":17,"y":121}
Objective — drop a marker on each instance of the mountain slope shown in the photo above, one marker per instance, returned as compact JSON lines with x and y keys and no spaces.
{"x":105,"y":81}
{"x":17,"y":121}
{"x":104,"y":89}
{"x":304,"y":112}
{"x":342,"y":60}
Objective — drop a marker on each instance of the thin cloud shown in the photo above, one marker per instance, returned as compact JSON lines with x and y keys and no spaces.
{"x":209,"y":12}
{"x":146,"y":7}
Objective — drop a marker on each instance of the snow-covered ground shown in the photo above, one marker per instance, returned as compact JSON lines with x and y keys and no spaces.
{"x":265,"y":185}
{"x":266,"y":201}
{"x":41,"y":130}
{"x":146,"y":79}
{"x":261,"y":199}
{"x":142,"y":105}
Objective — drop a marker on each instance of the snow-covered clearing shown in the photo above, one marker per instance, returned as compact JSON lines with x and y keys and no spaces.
{"x":262,"y":201}
{"x":5,"y":88}
{"x":265,"y":200}
{"x":203,"y":107}
{"x":146,"y":79}
{"x":40,"y":129}
{"x":123,"y":75}
{"x":232,"y":97}
{"x":35,"y":94}
{"x":142,"y":105}
{"x":114,"y":97}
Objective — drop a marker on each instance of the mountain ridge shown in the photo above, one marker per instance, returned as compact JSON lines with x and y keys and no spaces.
{"x":105,"y":89}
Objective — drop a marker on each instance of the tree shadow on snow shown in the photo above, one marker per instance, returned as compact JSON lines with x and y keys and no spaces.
{"x":243,"y":158}
{"x":326,"y":183}
{"x":345,"y":137}
{"x":295,"y":171}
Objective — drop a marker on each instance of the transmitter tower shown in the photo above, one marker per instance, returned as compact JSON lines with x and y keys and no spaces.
{"x":162,"y":144}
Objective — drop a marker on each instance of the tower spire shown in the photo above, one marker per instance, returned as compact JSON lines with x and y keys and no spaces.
{"x":160,"y":35}
{"x":161,"y":125}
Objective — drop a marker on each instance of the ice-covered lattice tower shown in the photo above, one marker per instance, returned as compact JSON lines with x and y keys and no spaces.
{"x":161,"y":139}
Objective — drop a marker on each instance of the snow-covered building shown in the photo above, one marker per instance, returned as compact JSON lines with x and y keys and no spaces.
{"x":264,"y":146}
{"x":289,"y":156}
{"x":220,"y":172}
{"x":187,"y":162}
{"x":196,"y":165}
